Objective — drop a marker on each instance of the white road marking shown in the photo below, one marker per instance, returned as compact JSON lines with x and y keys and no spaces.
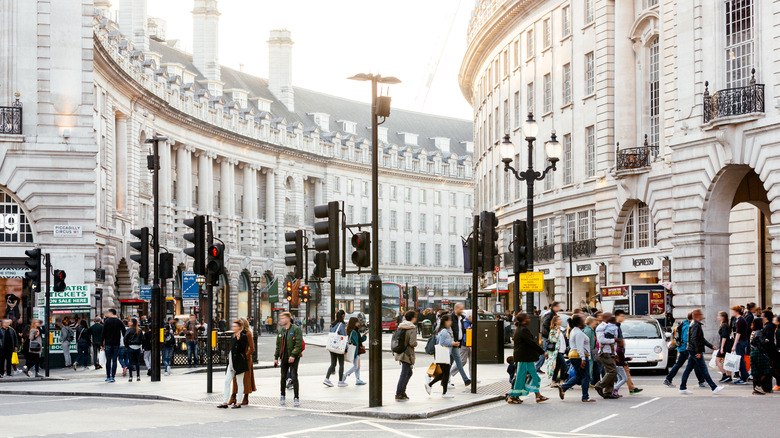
{"x":644,"y":403}
{"x":42,"y":401}
{"x":314,"y":429}
{"x":506,"y":429}
{"x":389,"y":429}
{"x":593,"y":423}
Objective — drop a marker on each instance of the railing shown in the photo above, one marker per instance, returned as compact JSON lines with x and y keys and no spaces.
{"x":544,"y":252}
{"x":11,"y":118}
{"x":579,"y":248}
{"x":636,"y":158}
{"x":733,"y":101}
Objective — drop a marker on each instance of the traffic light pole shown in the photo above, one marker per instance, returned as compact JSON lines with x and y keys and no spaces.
{"x":47,"y":324}
{"x":474,"y":305}
{"x":375,"y":281}
{"x":157,"y":296}
{"x":209,"y":317}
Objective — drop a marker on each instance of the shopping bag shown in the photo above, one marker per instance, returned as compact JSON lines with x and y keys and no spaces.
{"x":714,"y":360}
{"x":747,"y":362}
{"x":441,"y":354}
{"x":14,"y":358}
{"x":731,"y":362}
{"x":336,"y":343}
{"x":433,"y":370}
{"x":350,"y":356}
{"x":102,"y":358}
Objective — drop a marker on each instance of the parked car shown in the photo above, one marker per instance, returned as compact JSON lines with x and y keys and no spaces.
{"x":645,"y":343}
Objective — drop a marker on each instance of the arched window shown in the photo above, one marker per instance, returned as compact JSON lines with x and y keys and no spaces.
{"x":639,"y":231}
{"x":14,"y":226}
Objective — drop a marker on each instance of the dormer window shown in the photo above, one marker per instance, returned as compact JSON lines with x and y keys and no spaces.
{"x":322,"y":120}
{"x":409,"y":138}
{"x":442,"y":144}
{"x":349,"y":127}
{"x":383,"y":134}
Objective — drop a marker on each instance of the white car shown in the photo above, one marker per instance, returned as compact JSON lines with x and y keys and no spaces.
{"x":645,"y":343}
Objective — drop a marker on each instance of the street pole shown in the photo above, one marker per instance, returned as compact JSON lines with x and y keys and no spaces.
{"x":47,"y":324}
{"x":375,"y":282}
{"x":529,"y":218}
{"x":333,"y":294}
{"x":474,"y":306}
{"x":157,"y":299}
{"x":209,"y":318}
{"x":571,"y":273}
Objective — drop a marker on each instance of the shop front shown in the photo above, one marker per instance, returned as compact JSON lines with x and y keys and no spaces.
{"x":582,"y":277}
{"x":74,"y":303}
{"x":641,"y":269}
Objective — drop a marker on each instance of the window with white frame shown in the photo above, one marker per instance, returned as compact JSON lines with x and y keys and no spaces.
{"x":529,"y":97}
{"x":496,"y":128}
{"x":567,"y":159}
{"x":547,"y":33}
{"x":437,"y":254}
{"x":517,"y":109}
{"x":350,"y":214}
{"x":506,"y":187}
{"x":507,"y":128}
{"x":654,"y":92}
{"x":529,"y":44}
{"x":496,"y":72}
{"x":453,"y":199}
{"x":393,"y":220}
{"x":351,"y":186}
{"x":453,"y":225}
{"x":408,"y":221}
{"x":393,"y":193}
{"x":547,"y":106}
{"x":422,"y":222}
{"x":453,"y":255}
{"x":593,"y":224}
{"x":545,"y":232}
{"x":517,"y":181}
{"x":566,"y":21}
{"x":516,"y":49}
{"x":379,"y":217}
{"x":583,"y":219}
{"x":408,"y":253}
{"x":423,"y":196}
{"x":739,"y":42}
{"x":364,"y":215}
{"x":550,"y":179}
{"x":639,"y":231}
{"x":468,"y":200}
{"x":407,"y":193}
{"x":590,"y":74}
{"x":336,"y":184}
{"x":437,"y":223}
{"x":566,"y":79}
{"x":422,"y":254}
{"x":393,"y":254}
{"x":506,"y":62}
{"x":590,"y":151}
{"x":570,"y":232}
{"x":364,"y":185}
{"x":589,"y":11}
{"x":436,"y":197}
{"x":579,"y":226}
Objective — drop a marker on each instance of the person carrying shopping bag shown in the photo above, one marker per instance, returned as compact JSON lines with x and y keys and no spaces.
{"x":338,"y":328}
{"x":353,"y":351}
{"x":442,"y":357}
{"x":526,"y":353}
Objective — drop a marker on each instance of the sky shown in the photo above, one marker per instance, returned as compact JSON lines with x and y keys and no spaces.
{"x":335,"y":39}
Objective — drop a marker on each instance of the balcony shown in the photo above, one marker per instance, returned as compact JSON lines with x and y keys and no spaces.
{"x":544,"y":253}
{"x":579,"y":249}
{"x":636,"y":158}
{"x":11,"y":118}
{"x":733,"y":101}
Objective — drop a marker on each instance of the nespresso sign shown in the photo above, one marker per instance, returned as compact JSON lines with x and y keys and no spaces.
{"x":640,"y":263}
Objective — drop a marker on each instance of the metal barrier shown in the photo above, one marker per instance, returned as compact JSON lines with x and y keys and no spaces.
{"x":219,"y":353}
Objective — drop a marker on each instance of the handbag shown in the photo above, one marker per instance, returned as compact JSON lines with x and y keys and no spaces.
{"x":14,"y":358}
{"x":731,"y":362}
{"x":433,"y":370}
{"x":361,"y":350}
{"x":350,"y":355}
{"x":336,"y":343}
{"x":441,"y":354}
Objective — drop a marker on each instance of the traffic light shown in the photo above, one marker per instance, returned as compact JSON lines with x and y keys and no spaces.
{"x":198,"y":239}
{"x":142,"y":246}
{"x":34,"y":266}
{"x":166,"y":266}
{"x":329,"y":227}
{"x":296,"y":249}
{"x":489,"y":222}
{"x":520,"y":246}
{"x":288,"y":290}
{"x":305,"y":292}
{"x":321,"y":265}
{"x":361,"y":256}
{"x":59,"y":281}
{"x":468,"y":249}
{"x":216,"y":264}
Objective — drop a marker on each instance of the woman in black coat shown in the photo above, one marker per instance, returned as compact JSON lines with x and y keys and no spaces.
{"x":526,"y":353}
{"x":237,"y":364}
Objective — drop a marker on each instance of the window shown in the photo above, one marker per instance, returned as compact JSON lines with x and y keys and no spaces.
{"x":422,"y":222}
{"x":643,"y":226}
{"x":506,"y":186}
{"x":639,"y":230}
{"x":517,"y":109}
{"x":453,"y":199}
{"x":529,"y":44}
{"x":350,"y":186}
{"x":593,"y":224}
{"x":393,"y":255}
{"x":422,"y":254}
{"x":393,"y":193}
{"x":506,"y":63}
{"x":548,"y":181}
{"x":379,"y":217}
{"x":628,"y":236}
{"x":437,"y":198}
{"x":566,"y":21}
{"x":566,"y":84}
{"x":407,"y":193}
{"x":506,"y":116}
{"x":654,"y":89}
{"x":590,"y":74}
{"x":490,"y":129}
{"x":437,"y":224}
{"x":393,"y":220}
{"x":379,"y":190}
{"x":364,"y":215}
{"x":408,"y":221}
{"x":496,"y":72}
{"x":583,"y":218}
{"x":589,"y":11}
{"x":350,"y":214}
{"x":517,"y":181}
{"x":547,"y":93}
{"x":571,"y":228}
{"x":408,"y":253}
{"x":437,"y":254}
{"x":452,"y":225}
{"x":336,"y":184}
{"x":545,"y":230}
{"x":364,"y":188}
{"x":547,"y":33}
{"x":739,"y":42}
{"x":423,"y":196}
{"x":529,"y":97}
{"x":516,"y":47}
{"x":567,"y":159}
{"x":590,"y":151}
{"x":468,"y":200}
{"x":453,"y":255}
{"x":496,"y":130}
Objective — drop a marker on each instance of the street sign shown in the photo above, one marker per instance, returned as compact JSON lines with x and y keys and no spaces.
{"x":531,"y":282}
{"x":502,"y":285}
{"x":66,"y":231}
{"x":190,"y":288}
{"x":189,"y":303}
{"x":145,"y":293}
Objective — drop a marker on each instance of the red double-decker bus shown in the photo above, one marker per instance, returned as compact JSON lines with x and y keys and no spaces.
{"x":393,"y":304}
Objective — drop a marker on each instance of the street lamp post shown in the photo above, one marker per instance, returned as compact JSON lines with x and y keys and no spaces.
{"x":255,"y":307}
{"x":380,"y":107}
{"x":507,"y":150}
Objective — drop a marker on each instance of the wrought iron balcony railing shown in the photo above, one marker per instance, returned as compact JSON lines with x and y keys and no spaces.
{"x":579,"y":248}
{"x":636,"y":158}
{"x":11,"y":118}
{"x":544,"y":252}
{"x":734,"y":101}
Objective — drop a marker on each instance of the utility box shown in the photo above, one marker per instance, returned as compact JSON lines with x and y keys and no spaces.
{"x":490,"y":343}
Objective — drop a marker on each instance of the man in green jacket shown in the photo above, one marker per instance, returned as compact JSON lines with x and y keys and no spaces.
{"x":289,"y":345}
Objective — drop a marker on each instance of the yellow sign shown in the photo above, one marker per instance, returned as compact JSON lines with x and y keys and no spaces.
{"x":531,"y":282}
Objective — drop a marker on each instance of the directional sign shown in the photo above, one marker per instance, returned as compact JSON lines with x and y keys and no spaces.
{"x":146,"y":293}
{"x":190,"y":288}
{"x":531,"y":282}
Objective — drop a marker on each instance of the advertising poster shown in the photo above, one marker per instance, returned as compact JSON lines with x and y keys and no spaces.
{"x":11,"y":299}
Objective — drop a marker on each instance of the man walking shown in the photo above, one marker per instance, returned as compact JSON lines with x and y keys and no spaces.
{"x":9,"y":343}
{"x":191,"y":330}
{"x":169,"y":342}
{"x":555,"y":307}
{"x":406,"y":359}
{"x":289,"y":344}
{"x":97,"y":341}
{"x":681,"y":339}
{"x":620,"y":316}
{"x":696,"y":343}
{"x":579,"y":354}
{"x":607,"y":351}
{"x":458,"y":340}
{"x":113,"y":329}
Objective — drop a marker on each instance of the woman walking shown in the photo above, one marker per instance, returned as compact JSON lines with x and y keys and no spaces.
{"x":760,"y":367}
{"x":556,"y":347}
{"x":356,"y":339}
{"x":133,"y":340}
{"x":444,"y":339}
{"x":337,"y":326}
{"x":726,"y":343}
{"x":249,"y":375}
{"x":526,"y":353}
{"x":33,"y":347}
{"x":83,"y":341}
{"x":237,"y":364}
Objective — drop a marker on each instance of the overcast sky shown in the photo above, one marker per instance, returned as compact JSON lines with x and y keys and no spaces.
{"x":335,"y":39}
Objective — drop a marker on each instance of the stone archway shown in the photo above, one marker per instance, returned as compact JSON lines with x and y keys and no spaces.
{"x":124,"y":282}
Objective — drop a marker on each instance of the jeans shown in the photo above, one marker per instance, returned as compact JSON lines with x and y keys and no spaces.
{"x":66,"y":352}
{"x":607,"y":383}
{"x":192,"y":353}
{"x":83,"y":354}
{"x":622,"y":378}
{"x":134,"y":358}
{"x":741,"y":350}
{"x":465,"y":352}
{"x":6,"y":367}
{"x":95,"y":352}
{"x":123,"y":357}
{"x":455,"y":357}
{"x":444,"y":377}
{"x":292,"y":369}
{"x":403,"y":379}
{"x":333,"y":359}
{"x":560,"y":372}
{"x":229,"y":374}
{"x":698,"y":364}
{"x":541,"y":360}
{"x":355,"y":368}
{"x":167,"y":355}
{"x":580,"y":377}
{"x":112,"y":354}
{"x":596,"y":370}
{"x":682,"y":357}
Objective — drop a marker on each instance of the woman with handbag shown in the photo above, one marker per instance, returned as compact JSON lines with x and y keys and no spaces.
{"x":339,"y":328}
{"x":556,"y":347}
{"x":443,"y":340}
{"x":32,"y":351}
{"x":526,"y":353}
{"x":83,"y":341}
{"x":249,"y":375}
{"x":356,"y":340}
{"x":237,"y":364}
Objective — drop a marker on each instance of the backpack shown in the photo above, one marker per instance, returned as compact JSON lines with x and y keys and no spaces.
{"x":398,"y":344}
{"x":430,"y":346}
{"x":677,"y":335}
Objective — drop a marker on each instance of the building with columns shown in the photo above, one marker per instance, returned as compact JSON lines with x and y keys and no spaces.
{"x":667,"y":174}
{"x":254,"y":154}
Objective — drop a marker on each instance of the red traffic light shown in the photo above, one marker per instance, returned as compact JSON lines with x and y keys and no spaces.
{"x":60,"y":275}
{"x":289,"y":286}
{"x":306,"y":290}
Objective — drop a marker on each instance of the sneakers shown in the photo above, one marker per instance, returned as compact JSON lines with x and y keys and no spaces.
{"x":635,"y":391}
{"x":112,"y":380}
{"x":758,"y":391}
{"x":296,"y":402}
{"x":137,"y":379}
{"x":166,"y":373}
{"x":282,"y":400}
{"x":685,"y":392}
{"x":428,"y":388}
{"x":108,"y":379}
{"x":75,"y":365}
{"x":168,"y":370}
{"x":668,"y":383}
{"x":327,"y":383}
{"x":450,"y":385}
{"x":725,"y":378}
{"x":447,"y":396}
{"x":399,"y":397}
{"x":467,"y":382}
{"x":360,"y":382}
{"x":740,"y":382}
{"x":718,"y":389}
{"x":342,"y":384}
{"x":702,"y":385}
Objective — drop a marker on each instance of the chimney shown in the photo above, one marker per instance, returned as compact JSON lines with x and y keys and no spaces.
{"x":132,"y":23}
{"x":205,"y":44}
{"x":280,"y":67}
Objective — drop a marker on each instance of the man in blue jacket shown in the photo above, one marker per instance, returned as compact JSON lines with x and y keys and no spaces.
{"x":681,"y":339}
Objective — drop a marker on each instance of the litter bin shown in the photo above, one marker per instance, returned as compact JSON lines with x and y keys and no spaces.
{"x":490,"y":348}
{"x":427,"y":329}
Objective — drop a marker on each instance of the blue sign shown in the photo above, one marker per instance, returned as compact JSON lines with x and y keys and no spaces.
{"x":190,"y":289}
{"x":146,"y":293}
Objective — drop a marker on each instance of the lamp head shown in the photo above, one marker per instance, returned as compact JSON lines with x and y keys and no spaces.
{"x":506,"y":149}
{"x":530,"y":127}
{"x":554,"y":149}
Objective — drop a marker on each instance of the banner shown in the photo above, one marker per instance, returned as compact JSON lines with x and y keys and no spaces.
{"x":74,"y":296}
{"x":273,"y":292}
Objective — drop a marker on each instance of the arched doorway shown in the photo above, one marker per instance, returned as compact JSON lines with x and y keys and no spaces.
{"x":243,"y":298}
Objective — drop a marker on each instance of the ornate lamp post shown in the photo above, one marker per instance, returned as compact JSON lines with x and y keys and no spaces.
{"x":255,"y":307}
{"x":507,"y":151}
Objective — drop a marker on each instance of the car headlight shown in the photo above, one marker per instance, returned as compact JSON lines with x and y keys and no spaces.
{"x":658,"y":349}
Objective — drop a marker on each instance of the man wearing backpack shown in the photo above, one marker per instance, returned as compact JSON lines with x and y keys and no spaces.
{"x":403,"y":343}
{"x":681,"y":341}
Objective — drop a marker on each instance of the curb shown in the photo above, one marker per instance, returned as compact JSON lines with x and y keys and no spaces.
{"x":92,"y":394}
{"x":222,"y":368}
{"x":420,"y":415}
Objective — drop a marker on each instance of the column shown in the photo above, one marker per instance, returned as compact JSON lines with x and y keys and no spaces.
{"x":270,"y":197}
{"x":250,"y":193}
{"x":318,"y":195}
{"x":165,"y":172}
{"x":774,"y":232}
{"x":205,"y":181}
{"x":183,"y":178}
{"x":226,"y":188}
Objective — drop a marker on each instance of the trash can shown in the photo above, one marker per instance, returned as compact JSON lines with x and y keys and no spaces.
{"x":427,"y":329}
{"x":490,"y":344}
